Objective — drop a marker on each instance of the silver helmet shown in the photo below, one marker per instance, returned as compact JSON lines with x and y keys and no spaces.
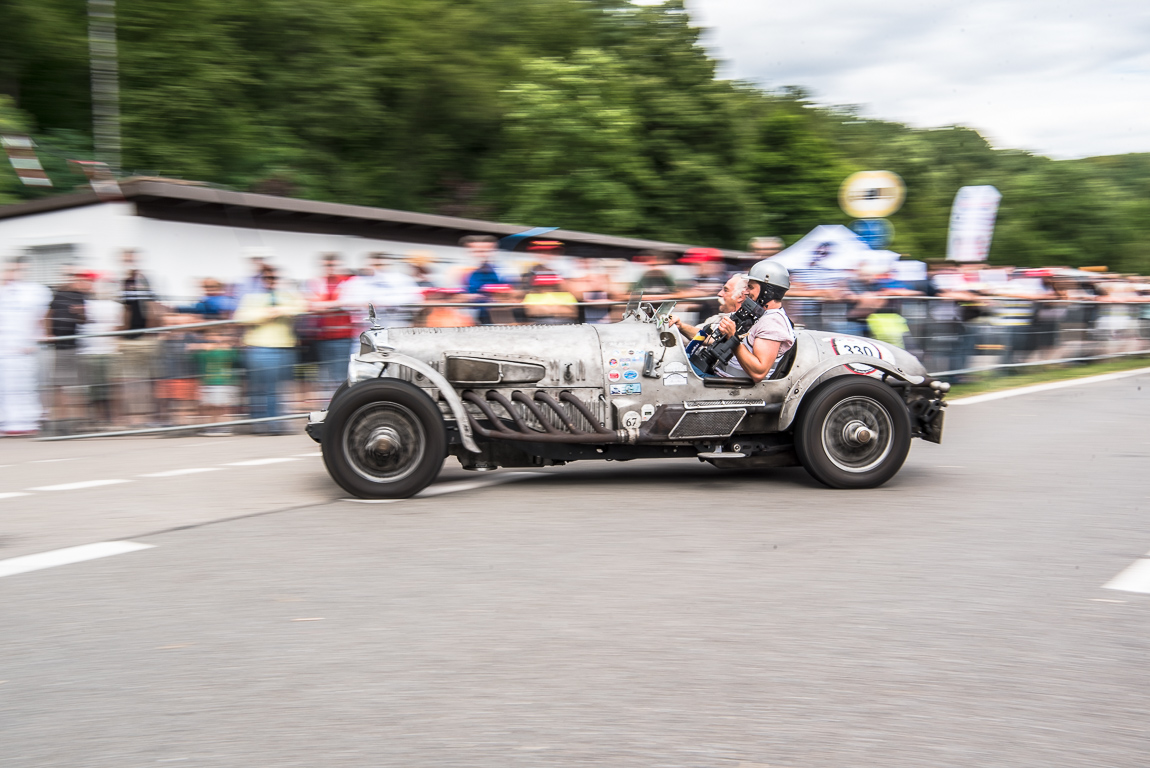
{"x":770,"y":272}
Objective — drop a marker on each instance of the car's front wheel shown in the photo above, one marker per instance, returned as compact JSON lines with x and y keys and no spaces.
{"x":384,"y":439}
{"x":853,"y":432}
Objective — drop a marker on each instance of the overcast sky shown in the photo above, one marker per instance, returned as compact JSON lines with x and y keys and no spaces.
{"x":1066,"y":78}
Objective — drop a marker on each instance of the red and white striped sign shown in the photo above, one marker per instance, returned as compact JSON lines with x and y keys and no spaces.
{"x":22,"y":154}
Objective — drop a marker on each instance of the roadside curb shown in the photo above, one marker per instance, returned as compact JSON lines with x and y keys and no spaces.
{"x":1034,"y":388}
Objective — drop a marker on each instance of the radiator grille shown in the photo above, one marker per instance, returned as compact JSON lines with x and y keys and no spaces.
{"x":708,"y":423}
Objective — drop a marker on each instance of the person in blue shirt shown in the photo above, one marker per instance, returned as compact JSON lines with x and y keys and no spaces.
{"x":215,"y":304}
{"x":482,"y":247}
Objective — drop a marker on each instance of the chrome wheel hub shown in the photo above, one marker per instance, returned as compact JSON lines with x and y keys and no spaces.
{"x":857,"y":434}
{"x":384,"y":442}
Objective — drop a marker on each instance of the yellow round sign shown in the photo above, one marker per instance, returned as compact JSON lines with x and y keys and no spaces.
{"x":872,"y":194}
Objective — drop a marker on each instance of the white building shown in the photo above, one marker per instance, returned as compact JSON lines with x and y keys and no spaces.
{"x":186,"y":232}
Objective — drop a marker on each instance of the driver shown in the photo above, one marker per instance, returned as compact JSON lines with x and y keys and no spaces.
{"x":772,"y":334}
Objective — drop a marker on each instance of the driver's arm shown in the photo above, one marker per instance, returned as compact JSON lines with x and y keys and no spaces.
{"x":757,"y":361}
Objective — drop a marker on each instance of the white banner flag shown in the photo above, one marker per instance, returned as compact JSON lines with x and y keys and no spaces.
{"x":972,"y":223}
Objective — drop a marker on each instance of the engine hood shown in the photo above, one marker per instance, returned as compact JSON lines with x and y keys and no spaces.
{"x":538,"y":355}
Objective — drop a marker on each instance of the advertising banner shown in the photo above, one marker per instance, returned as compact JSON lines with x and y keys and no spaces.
{"x":972,"y":223}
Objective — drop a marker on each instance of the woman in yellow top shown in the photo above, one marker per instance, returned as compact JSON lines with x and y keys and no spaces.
{"x":270,"y":343}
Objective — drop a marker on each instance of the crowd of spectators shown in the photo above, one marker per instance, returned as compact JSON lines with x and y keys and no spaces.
{"x":84,"y":357}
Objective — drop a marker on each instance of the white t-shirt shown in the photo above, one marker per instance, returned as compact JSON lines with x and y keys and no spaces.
{"x":774,"y":325}
{"x":103,"y":316}
{"x":385,"y":291}
{"x":22,"y":309}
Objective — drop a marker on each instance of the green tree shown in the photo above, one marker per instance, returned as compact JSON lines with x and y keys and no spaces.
{"x":576,"y":145}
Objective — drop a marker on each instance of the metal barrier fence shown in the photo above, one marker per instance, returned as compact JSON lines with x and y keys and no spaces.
{"x":199,"y":376}
{"x":957,"y":338}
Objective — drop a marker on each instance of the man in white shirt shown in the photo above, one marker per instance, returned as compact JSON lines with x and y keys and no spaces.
{"x":394,"y":294}
{"x":23,"y":307}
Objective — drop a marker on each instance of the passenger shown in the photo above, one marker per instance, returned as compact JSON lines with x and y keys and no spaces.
{"x":772,"y":335}
{"x":730,"y":297}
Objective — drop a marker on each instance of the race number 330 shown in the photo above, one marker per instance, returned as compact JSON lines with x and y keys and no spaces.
{"x":860,"y":347}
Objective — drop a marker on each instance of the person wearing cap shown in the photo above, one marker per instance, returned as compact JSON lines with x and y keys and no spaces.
{"x":23,"y":307}
{"x":708,"y":267}
{"x":772,"y":334}
{"x":547,"y":301}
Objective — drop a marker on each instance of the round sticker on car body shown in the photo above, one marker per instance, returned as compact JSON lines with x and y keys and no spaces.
{"x":855,"y":346}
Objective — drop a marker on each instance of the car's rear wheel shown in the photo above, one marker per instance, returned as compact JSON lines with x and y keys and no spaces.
{"x":853,"y":432}
{"x":384,"y":439}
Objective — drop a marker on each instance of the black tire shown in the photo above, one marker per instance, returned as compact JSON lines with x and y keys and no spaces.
{"x":410,"y":440}
{"x":335,"y":395}
{"x":827,"y":433}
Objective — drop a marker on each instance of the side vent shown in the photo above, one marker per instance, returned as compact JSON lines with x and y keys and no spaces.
{"x":696,"y":424}
{"x":479,"y":370}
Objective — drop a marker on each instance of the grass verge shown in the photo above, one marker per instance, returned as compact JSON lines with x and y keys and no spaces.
{"x":992,"y":381}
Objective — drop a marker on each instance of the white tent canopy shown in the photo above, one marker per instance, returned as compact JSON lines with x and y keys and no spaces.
{"x":847,"y":251}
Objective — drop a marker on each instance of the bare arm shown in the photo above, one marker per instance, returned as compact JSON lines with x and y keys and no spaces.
{"x":757,"y":362}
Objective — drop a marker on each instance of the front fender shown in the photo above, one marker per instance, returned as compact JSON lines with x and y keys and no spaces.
{"x":799,"y":389}
{"x":448,"y":392}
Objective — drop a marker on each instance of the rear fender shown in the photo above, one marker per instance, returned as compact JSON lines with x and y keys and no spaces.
{"x":799,"y":389}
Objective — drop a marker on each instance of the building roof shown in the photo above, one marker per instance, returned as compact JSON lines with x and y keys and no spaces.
{"x":200,"y":204}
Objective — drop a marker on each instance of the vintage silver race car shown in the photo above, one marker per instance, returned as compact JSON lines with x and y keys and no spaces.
{"x":843,"y":407}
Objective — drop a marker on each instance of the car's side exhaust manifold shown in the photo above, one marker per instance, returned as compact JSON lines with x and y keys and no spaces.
{"x":519,"y":429}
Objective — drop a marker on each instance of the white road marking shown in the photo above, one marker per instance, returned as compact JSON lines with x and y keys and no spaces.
{"x":1136,"y":578}
{"x":466,"y":485}
{"x":178,"y":472}
{"x":13,"y":494}
{"x":259,"y":462}
{"x":313,"y":455}
{"x":78,"y":486}
{"x":68,"y":556}
{"x":975,"y":399}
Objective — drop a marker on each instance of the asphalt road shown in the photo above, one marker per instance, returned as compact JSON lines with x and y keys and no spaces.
{"x":641,"y":614}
